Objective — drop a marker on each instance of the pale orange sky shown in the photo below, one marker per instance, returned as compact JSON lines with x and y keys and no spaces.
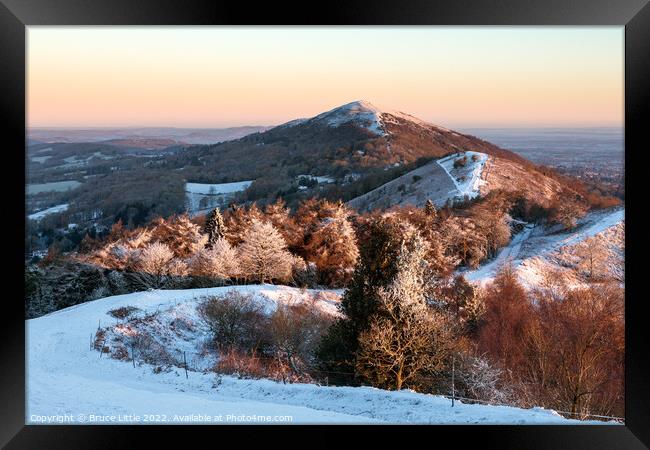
{"x":228,"y":76}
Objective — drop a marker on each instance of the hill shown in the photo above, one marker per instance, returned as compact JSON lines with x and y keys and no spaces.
{"x":347,"y":143}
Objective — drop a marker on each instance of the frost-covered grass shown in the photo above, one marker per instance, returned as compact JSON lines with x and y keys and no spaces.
{"x":467,"y":179}
{"x":46,"y":212}
{"x":66,"y":376}
{"x":40,"y":159}
{"x":218,"y":188}
{"x":55,"y":186}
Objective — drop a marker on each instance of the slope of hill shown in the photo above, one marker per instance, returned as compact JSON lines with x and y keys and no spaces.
{"x":67,"y":377}
{"x":353,"y":139}
{"x":597,"y":241}
{"x":438,"y":181}
{"x":181,"y":135}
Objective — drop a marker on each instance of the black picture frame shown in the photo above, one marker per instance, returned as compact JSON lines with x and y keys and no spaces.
{"x":15,"y":15}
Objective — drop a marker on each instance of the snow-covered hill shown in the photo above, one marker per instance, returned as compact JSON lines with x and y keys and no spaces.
{"x":438,"y":181}
{"x":365,"y":115}
{"x":68,"y":382}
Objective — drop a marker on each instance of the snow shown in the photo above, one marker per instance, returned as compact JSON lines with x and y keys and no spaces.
{"x":54,"y":186}
{"x":219,"y":188}
{"x":410,"y":118}
{"x":203,"y":197}
{"x":362,"y":112}
{"x":535,"y":242}
{"x":508,"y":253}
{"x":46,"y":212}
{"x":41,"y":159}
{"x":466,"y":179}
{"x":67,"y":382}
{"x":366,"y":115}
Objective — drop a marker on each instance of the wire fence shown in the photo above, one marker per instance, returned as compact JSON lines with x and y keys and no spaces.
{"x":492,"y":403}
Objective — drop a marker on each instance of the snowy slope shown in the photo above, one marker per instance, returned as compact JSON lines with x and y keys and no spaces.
{"x":466,"y":179}
{"x":220,"y":188}
{"x":437,"y":181}
{"x":69,"y":383}
{"x":535,"y":243}
{"x":46,"y":212}
{"x":365,"y":115}
{"x":361,"y":112}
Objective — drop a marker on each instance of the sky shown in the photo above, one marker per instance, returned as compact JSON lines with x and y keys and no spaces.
{"x":230,"y":76}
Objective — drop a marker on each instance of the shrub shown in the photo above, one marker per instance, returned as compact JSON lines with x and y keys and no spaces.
{"x":233,"y":361}
{"x":235,"y":320}
{"x":460,"y":162}
{"x":123,"y":312}
{"x":295,"y":331}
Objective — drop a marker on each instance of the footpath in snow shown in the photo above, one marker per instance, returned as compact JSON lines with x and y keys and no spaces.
{"x":67,"y":382}
{"x":467,"y":179}
{"x":536,"y":241}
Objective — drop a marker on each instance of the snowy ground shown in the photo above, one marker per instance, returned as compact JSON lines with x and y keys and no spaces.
{"x":67,"y":382}
{"x":54,"y":186}
{"x":534,"y":243}
{"x":219,"y":188}
{"x":467,"y":179}
{"x":203,"y":197}
{"x":46,"y":212}
{"x":361,"y":112}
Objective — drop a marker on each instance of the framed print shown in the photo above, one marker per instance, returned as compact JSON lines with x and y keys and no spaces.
{"x":375,"y":215}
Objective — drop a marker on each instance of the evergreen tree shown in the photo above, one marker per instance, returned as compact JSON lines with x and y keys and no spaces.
{"x":405,"y":342}
{"x":430,"y":209}
{"x":376,"y":269}
{"x":214,"y":227}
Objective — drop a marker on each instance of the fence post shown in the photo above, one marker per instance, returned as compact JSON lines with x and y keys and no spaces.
{"x":91,"y":341}
{"x":185,"y":364}
{"x":133,"y":354}
{"x":453,"y":374}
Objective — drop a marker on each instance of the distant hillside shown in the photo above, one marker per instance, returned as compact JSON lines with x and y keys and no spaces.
{"x":439,"y":181}
{"x":345,"y":143}
{"x":181,"y":135}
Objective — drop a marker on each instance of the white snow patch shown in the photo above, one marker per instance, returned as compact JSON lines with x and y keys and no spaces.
{"x":40,"y":159}
{"x":54,"y":186}
{"x":361,"y":112}
{"x":46,"y":212}
{"x":466,"y":179}
{"x":219,"y":188}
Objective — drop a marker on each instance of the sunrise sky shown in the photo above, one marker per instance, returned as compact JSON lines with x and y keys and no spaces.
{"x":229,"y":76}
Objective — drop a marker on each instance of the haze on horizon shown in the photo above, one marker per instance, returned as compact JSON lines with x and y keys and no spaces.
{"x":202,"y":77}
